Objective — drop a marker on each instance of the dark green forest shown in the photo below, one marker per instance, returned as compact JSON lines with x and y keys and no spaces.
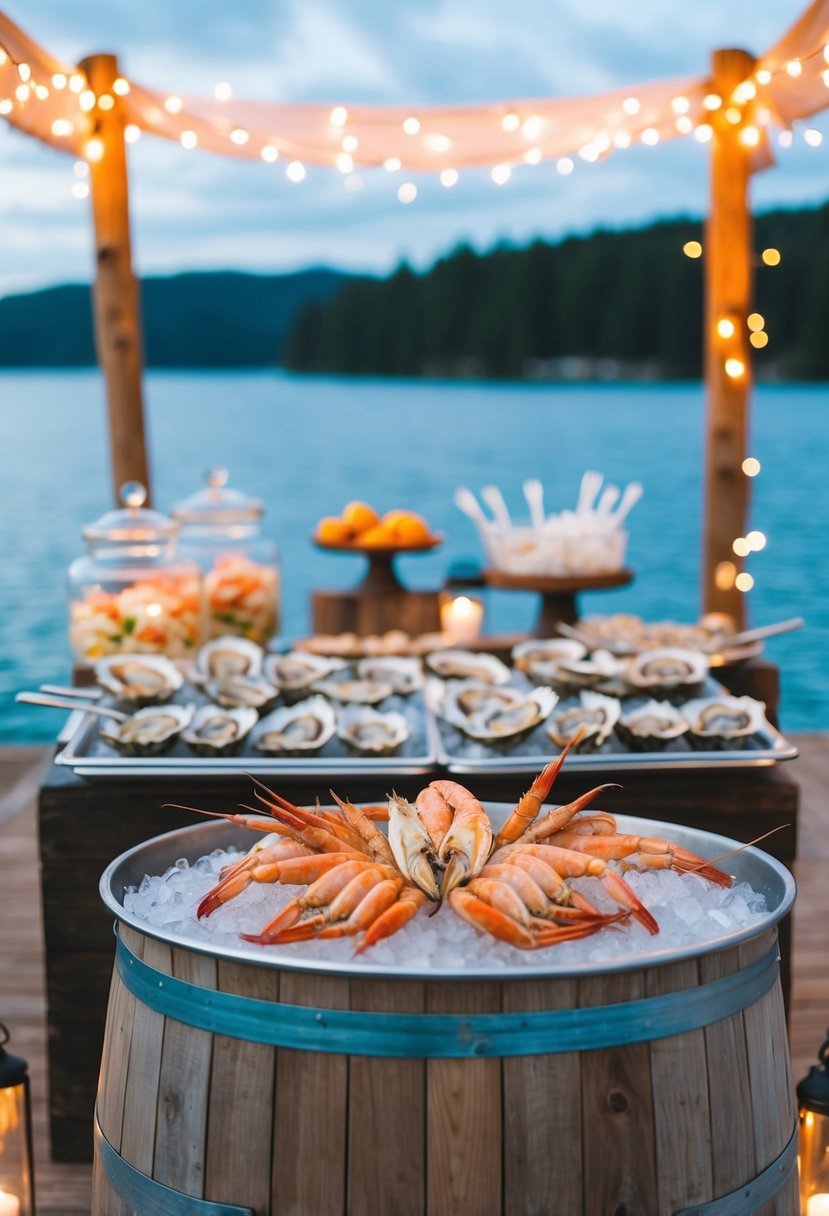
{"x":614,"y":303}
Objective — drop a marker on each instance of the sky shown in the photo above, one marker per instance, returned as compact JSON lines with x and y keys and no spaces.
{"x":191,"y":210}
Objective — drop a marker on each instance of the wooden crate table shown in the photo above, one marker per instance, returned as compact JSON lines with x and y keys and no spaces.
{"x":85,"y":824}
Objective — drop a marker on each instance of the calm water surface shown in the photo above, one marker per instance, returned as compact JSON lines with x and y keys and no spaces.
{"x":307,"y":446}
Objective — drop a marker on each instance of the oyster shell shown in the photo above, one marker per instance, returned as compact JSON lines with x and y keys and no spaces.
{"x":722,"y":723}
{"x":599,"y":668}
{"x":491,"y":714}
{"x":298,"y":670}
{"x":225,"y":657}
{"x":304,"y":727}
{"x":214,"y":729}
{"x":148,"y":731}
{"x":360,"y":692}
{"x":467,"y":665}
{"x":405,"y":675}
{"x":367,"y":730}
{"x":140,"y":679}
{"x":242,"y":692}
{"x":651,"y":727}
{"x":667,"y":672}
{"x":540,"y":657}
{"x":599,"y":714}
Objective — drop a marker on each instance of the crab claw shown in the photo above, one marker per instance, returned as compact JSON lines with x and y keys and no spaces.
{"x":412,"y":846}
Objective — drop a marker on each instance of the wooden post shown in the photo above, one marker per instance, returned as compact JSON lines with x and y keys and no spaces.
{"x":115,"y":293}
{"x":727,"y":252}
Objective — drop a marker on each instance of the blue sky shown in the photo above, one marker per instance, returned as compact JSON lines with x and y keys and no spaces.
{"x":196,"y":211}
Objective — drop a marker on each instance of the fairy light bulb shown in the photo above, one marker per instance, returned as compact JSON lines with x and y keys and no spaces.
{"x":239,"y":136}
{"x":771,"y":257}
{"x":60,"y":80}
{"x":86,"y":100}
{"x":76,"y":82}
{"x":711,"y":101}
{"x":392,"y":163}
{"x":121,"y":87}
{"x":725,"y":574}
{"x":24,"y":72}
{"x":449,"y":178}
{"x":680,"y":105}
{"x":565,"y":166}
{"x":132,"y":133}
{"x":684,"y":124}
{"x":269,"y":153}
{"x":437,"y":143}
{"x":734,"y":368}
{"x":650,"y":136}
{"x":223,"y":91}
{"x":532,"y":127}
{"x":744,"y":581}
{"x":813,"y":137}
{"x":411,"y":125}
{"x":189,"y":139}
{"x":734,"y":115}
{"x":725,"y":327}
{"x":741,"y":546}
{"x":703,"y":132}
{"x":763,"y":76}
{"x":755,"y":321}
{"x":589,"y":153}
{"x":511,"y":122}
{"x":173,"y":105}
{"x":344,"y":162}
{"x":407,"y":193}
{"x":631,"y":105}
{"x":61,"y":127}
{"x":751,"y":466}
{"x":756,"y":540}
{"x":692,"y":249}
{"x":80,"y":168}
{"x":94,"y":150}
{"x":22,"y":92}
{"x":106,"y":102}
{"x":295,"y":171}
{"x":795,"y":68}
{"x":338,"y":116}
{"x":744,"y":92}
{"x":785,"y":139}
{"x":7,"y":106}
{"x":825,"y":78}
{"x":622,"y":139}
{"x":759,"y":340}
{"x":826,"y":52}
{"x":501,"y":174}
{"x":80,"y":190}
{"x":350,"y":143}
{"x":532,"y":156}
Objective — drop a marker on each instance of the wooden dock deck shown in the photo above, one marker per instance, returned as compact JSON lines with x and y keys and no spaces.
{"x":64,"y":1190}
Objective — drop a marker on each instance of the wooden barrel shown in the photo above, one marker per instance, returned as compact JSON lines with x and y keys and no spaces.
{"x":238,"y":1086}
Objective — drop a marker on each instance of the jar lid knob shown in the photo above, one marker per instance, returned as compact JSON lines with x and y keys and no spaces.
{"x":133,"y":494}
{"x":216,"y":478}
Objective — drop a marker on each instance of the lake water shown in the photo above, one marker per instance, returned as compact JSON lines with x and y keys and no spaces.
{"x":308,"y":445}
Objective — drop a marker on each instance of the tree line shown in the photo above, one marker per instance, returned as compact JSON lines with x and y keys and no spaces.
{"x":613,"y":303}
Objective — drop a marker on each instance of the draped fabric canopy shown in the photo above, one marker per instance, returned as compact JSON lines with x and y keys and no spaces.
{"x":50,"y":100}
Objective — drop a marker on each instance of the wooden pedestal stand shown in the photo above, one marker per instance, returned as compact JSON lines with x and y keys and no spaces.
{"x":558,"y":595}
{"x":379,"y":603}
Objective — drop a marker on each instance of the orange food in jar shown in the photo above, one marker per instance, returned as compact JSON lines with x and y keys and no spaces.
{"x":332,"y":530}
{"x":407,"y":527}
{"x":359,"y":517}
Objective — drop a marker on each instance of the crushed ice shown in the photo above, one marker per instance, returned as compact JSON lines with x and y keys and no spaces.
{"x":690,"y":912}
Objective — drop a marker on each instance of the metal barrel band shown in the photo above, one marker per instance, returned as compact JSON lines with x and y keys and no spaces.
{"x":435,"y":1036}
{"x":750,"y":1197}
{"x":145,"y":1194}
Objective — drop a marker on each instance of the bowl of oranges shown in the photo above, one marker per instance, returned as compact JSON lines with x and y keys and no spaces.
{"x":361,"y":529}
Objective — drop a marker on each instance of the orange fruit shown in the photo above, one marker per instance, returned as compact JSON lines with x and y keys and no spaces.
{"x":331,"y":530}
{"x":378,"y":537}
{"x":409,"y":528}
{"x":359,"y":517}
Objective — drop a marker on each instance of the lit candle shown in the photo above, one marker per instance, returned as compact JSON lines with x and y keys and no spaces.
{"x":816,"y":1205}
{"x":461,"y":618}
{"x":10,"y":1204}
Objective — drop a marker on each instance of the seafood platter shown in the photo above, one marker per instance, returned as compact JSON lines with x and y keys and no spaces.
{"x":652,"y":709}
{"x":234,"y":707}
{"x":446,"y":884}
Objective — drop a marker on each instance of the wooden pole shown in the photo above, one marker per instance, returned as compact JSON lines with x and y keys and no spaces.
{"x":115,"y":292}
{"x":727,"y":251}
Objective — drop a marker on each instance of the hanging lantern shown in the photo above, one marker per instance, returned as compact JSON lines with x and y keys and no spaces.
{"x":17,"y":1197}
{"x":813,"y":1101}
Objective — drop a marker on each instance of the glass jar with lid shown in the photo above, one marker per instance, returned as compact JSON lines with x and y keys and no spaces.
{"x":221,"y":530}
{"x":133,"y":591}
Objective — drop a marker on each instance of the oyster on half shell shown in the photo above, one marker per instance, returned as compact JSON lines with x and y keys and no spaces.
{"x":540,"y":657}
{"x":722,"y":723}
{"x":148,"y":731}
{"x":359,"y":692}
{"x":667,"y":672}
{"x":467,"y":665}
{"x":491,"y":714}
{"x":140,"y":679}
{"x":294,"y":729}
{"x":242,"y":692}
{"x":651,"y":727}
{"x":597,"y":713}
{"x":298,"y":670}
{"x":404,"y":674}
{"x":226,"y":657}
{"x":214,"y":729}
{"x":368,"y":730}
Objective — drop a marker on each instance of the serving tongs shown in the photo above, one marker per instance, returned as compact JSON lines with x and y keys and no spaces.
{"x":715,"y":646}
{"x":70,"y":702}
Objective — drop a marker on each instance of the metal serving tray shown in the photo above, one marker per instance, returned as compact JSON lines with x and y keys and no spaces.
{"x":460,"y":754}
{"x":89,"y":756}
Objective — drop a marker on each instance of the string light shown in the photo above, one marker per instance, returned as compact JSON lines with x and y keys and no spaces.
{"x":631,"y":105}
{"x":703,"y":132}
{"x":741,"y":547}
{"x":80,"y":190}
{"x":106,"y":102}
{"x":338,"y":116}
{"x":734,"y":368}
{"x":61,"y":127}
{"x":650,"y":136}
{"x":239,"y":136}
{"x":511,"y":122}
{"x":22,"y":92}
{"x":132,"y":133}
{"x":189,"y":139}
{"x":759,"y":340}
{"x":533,"y":156}
{"x":762,"y":76}
{"x":437,"y":143}
{"x":684,"y":124}
{"x":813,"y":137}
{"x":501,"y":174}
{"x":59,"y":80}
{"x":121,"y":87}
{"x":449,"y":178}
{"x":81,"y":168}
{"x":411,"y":125}
{"x":269,"y":153}
{"x":407,"y":193}
{"x":680,"y":105}
{"x":565,"y":166}
{"x":532,"y":127}
{"x":712,"y":101}
{"x":24,"y":72}
{"x":734,"y":115}
{"x":6,"y":106}
{"x":94,"y":150}
{"x":344,"y":162}
{"x":744,"y":92}
{"x":751,"y":466}
{"x":756,"y":541}
{"x":750,"y":137}
{"x":785,"y":139}
{"x":825,"y":78}
{"x":743,"y":581}
{"x":392,"y":163}
{"x":76,"y":82}
{"x":295,"y":171}
{"x":350,"y":143}
{"x":222,"y":91}
{"x":771,"y":257}
{"x":725,"y":574}
{"x":692,"y":249}
{"x":725,"y":328}
{"x":755,"y":321}
{"x":622,"y":139}
{"x":589,"y":153}
{"x":173,"y":105}
{"x":794,"y":67}
{"x":86,"y":100}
